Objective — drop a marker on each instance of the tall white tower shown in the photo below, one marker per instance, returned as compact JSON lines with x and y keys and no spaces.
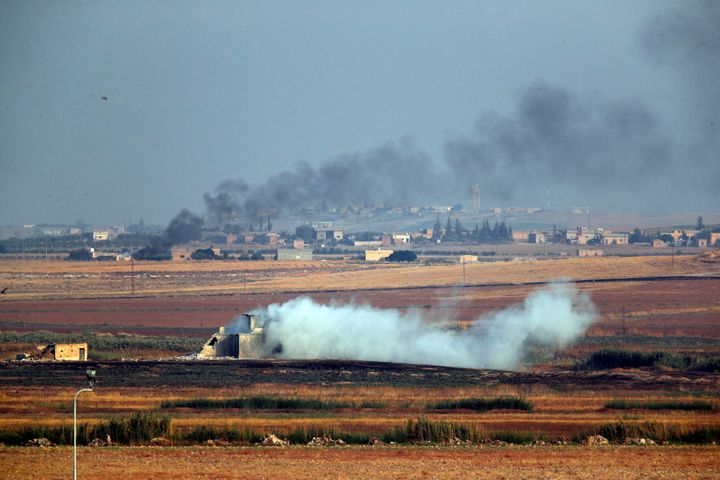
{"x":475,"y":191}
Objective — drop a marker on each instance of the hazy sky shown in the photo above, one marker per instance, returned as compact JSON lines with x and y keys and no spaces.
{"x":198,"y":92}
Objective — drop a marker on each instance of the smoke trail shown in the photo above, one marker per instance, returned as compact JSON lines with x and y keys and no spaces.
{"x":555,"y":315}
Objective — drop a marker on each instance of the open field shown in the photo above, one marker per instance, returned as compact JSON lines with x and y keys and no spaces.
{"x":58,"y":279}
{"x":642,"y":304}
{"x":626,"y":462}
{"x":379,"y":396}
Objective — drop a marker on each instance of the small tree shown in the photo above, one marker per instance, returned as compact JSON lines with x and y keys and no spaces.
{"x":700,"y":224}
{"x":204,"y":254}
{"x":459,"y":235}
{"x":402,"y":256}
{"x":437,"y":229}
{"x":305,"y":232}
{"x":81,"y":255}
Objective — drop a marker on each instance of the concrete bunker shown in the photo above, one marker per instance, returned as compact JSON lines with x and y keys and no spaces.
{"x":243,"y":338}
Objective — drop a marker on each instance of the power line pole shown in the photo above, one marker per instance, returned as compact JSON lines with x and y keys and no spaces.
{"x":132,"y":275}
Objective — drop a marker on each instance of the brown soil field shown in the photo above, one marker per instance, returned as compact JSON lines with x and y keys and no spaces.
{"x":366,"y":462}
{"x":681,"y":308}
{"x":59,"y":279}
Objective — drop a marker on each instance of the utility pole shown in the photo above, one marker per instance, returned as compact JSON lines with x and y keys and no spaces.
{"x":463,"y":265}
{"x":672,"y":255}
{"x":132,"y":275}
{"x":90,"y":374}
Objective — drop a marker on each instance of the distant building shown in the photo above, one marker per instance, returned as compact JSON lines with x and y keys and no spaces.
{"x":272,"y":239}
{"x":657,"y":243}
{"x":580,"y":210}
{"x":298,"y":244}
{"x":520,"y":235}
{"x":536,"y":237}
{"x":53,"y":232}
{"x":336,"y":234}
{"x":377,"y":255}
{"x":616,"y":239}
{"x":101,"y":235}
{"x":400,"y":238}
{"x":230,"y":238}
{"x":367,"y":243}
{"x":714,"y":238}
{"x":702,"y":243}
{"x":294,"y":254}
{"x":590,"y":252}
{"x":181,"y":254}
{"x":475,"y":192}
{"x":322,"y":226}
{"x":65,"y":351}
{"x":468,"y":258}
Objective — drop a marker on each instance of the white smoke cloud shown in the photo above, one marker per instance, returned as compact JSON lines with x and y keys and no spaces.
{"x":555,"y":315}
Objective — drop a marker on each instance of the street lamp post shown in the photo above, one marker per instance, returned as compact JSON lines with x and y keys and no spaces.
{"x":90,"y":374}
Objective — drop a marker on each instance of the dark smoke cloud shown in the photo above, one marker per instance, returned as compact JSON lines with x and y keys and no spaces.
{"x":186,"y":226}
{"x":613,"y":154}
{"x":183,"y":228}
{"x":392,"y":173}
{"x":686,"y":39}
{"x":224,"y":205}
{"x":557,"y":139}
{"x":396,"y":173}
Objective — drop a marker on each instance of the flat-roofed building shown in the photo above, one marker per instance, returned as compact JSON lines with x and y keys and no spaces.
{"x":377,"y":255}
{"x":295,"y":254}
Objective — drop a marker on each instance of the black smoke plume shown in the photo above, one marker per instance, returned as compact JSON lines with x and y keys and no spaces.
{"x":557,"y":145}
{"x":395,"y":173}
{"x":183,"y":228}
{"x":557,"y":140}
{"x":224,"y":205}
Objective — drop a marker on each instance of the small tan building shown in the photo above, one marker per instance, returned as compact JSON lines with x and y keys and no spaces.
{"x":65,"y":351}
{"x":272,"y":239}
{"x":181,"y":254}
{"x":616,"y":239}
{"x":468,"y":258}
{"x":377,"y":255}
{"x":714,"y":238}
{"x":520,"y":235}
{"x":657,"y":243}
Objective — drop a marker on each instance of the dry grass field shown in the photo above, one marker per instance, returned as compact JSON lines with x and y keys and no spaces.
{"x":192,"y":299}
{"x":59,"y":279}
{"x":622,"y":463}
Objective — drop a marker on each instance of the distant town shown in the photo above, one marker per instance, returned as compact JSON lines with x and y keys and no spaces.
{"x":365,"y":233}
